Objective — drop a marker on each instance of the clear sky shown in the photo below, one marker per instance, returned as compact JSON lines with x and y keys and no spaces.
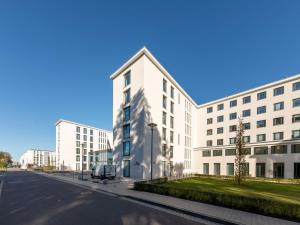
{"x":56,"y":56}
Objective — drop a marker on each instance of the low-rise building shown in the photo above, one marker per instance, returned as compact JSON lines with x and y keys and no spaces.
{"x":37,"y":158}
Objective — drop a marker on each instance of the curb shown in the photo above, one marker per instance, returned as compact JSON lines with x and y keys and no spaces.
{"x":164,"y":206}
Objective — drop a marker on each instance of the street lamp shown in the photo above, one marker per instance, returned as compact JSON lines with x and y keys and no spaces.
{"x":82,"y":155}
{"x":152,"y":126}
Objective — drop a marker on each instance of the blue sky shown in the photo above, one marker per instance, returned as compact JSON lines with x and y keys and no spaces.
{"x":56,"y":56}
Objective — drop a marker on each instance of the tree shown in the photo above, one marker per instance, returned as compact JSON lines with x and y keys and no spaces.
{"x":240,"y":154}
{"x":5,"y":159}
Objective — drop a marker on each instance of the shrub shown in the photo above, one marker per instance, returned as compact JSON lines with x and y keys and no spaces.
{"x":262,"y":206}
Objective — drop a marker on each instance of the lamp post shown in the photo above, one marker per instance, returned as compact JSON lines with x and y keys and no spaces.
{"x":82,"y":155}
{"x":152,"y":126}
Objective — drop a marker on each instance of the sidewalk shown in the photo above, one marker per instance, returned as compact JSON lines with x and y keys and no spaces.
{"x":208,"y":212}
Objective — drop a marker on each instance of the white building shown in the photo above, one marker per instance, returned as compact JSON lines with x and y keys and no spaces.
{"x":200,"y":138}
{"x":81,"y":146}
{"x":36,"y":158}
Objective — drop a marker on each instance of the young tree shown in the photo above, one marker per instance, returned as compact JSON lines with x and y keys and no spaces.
{"x":239,"y":155}
{"x":5,"y":159}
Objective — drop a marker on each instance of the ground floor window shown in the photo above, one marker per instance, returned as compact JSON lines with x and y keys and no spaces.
{"x":297,"y":170}
{"x":205,"y":168}
{"x":230,"y":169}
{"x":217,"y":168}
{"x":84,"y":166}
{"x":245,"y":169}
{"x":278,"y":170}
{"x":77,"y":166}
{"x":260,"y":169}
{"x":126,"y":168}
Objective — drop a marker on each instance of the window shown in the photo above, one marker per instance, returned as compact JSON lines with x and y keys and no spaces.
{"x":296,"y":170}
{"x":209,"y":109}
{"x":78,"y":129}
{"x":164,"y":150}
{"x":126,"y":113}
{"x":296,"y":118}
{"x":277,"y":136}
{"x":246,"y":113}
{"x":260,"y":169}
{"x":246,"y":99}
{"x":230,"y":169}
{"x":233,"y":103}
{"x":295,"y":134}
{"x":126,"y":131}
{"x":206,"y":168}
{"x":245,"y":169}
{"x":209,"y":143}
{"x":164,"y":102}
{"x":246,"y":151}
{"x":220,"y":107}
{"x":261,"y":95}
{"x":296,"y":102}
{"x":171,"y":136}
{"x":126,"y":148}
{"x":209,"y":132}
{"x":172,"y":107}
{"x":127,"y":96}
{"x":206,"y":153}
{"x":217,"y":152}
{"x":126,"y":168}
{"x":232,"y":116}
{"x":171,"y":122}
{"x":278,"y":170}
{"x":77,"y":143}
{"x":278,"y":91}
{"x":278,"y":106}
{"x":220,"y":119}
{"x":91,"y":132}
{"x":127,"y":79}
{"x":172,"y":92}
{"x":246,"y":126}
{"x":261,"y":109}
{"x":91,"y":138}
{"x":219,"y":141}
{"x":232,"y":128}
{"x":77,"y":150}
{"x":84,"y":138}
{"x":84,"y":130}
{"x":278,"y":121}
{"x":279,"y":149}
{"x":260,"y":150}
{"x":260,"y":123}
{"x":260,"y":137}
{"x":296,"y":86}
{"x":164,"y":134}
{"x":164,"y":118}
{"x":164,"y":85}
{"x":171,"y":151}
{"x":217,"y":169}
{"x":77,"y":136}
{"x":220,"y":130}
{"x":84,"y":158}
{"x":230,"y":151}
{"x":77,"y":158}
{"x":232,"y":141}
{"x":91,"y":145}
{"x":295,"y":148}
{"x":209,"y":120}
{"x":246,"y":139}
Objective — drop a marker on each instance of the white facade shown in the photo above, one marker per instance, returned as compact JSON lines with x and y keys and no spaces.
{"x":144,"y":92}
{"x":37,"y":157}
{"x":81,"y":146}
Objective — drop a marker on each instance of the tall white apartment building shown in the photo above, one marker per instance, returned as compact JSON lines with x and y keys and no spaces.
{"x":36,"y":158}
{"x":201,"y":138}
{"x":81,"y":146}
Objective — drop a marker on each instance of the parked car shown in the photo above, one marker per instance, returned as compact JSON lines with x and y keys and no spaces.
{"x":104,"y":172}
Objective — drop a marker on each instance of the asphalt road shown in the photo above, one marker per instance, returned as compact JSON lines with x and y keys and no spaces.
{"x":29,"y":199}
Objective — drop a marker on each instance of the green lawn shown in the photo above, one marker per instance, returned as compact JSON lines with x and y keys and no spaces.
{"x":287,"y":193}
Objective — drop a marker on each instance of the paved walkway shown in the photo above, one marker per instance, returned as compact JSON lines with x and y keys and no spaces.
{"x":231,"y":216}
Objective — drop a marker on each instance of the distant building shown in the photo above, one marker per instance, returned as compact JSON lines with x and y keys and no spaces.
{"x":36,"y":158}
{"x":193,"y":138}
{"x":81,"y":146}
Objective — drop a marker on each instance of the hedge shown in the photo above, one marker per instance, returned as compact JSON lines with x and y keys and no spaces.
{"x":255,"y":205}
